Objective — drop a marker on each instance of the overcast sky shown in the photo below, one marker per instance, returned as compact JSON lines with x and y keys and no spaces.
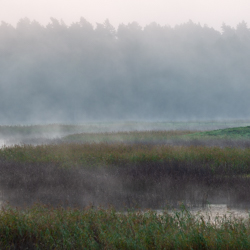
{"x":169,"y":12}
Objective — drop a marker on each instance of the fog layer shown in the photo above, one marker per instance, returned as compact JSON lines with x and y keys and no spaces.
{"x":78,"y":73}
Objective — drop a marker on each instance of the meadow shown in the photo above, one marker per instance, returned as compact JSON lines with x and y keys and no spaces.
{"x":98,"y":189}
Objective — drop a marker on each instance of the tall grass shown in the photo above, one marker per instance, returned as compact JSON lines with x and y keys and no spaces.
{"x":41,"y":227}
{"x":124,"y":175}
{"x":214,"y":159}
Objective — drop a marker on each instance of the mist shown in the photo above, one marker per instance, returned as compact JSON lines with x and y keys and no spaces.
{"x":80,"y":73}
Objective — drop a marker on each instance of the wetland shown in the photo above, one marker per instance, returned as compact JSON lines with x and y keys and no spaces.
{"x":140,"y":172}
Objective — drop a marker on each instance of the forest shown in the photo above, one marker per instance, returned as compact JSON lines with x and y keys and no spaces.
{"x":81,"y":72}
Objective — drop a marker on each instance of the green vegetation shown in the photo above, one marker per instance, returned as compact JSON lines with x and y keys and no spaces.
{"x":102,"y":154}
{"x":229,"y":133}
{"x":41,"y":227}
{"x":159,"y":137}
{"x":146,"y":169}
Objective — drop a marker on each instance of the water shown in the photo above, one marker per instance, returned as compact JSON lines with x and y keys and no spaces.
{"x":2,"y":143}
{"x":214,"y":213}
{"x":218,"y":211}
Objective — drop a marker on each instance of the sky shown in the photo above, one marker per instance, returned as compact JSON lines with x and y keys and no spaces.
{"x":165,"y":12}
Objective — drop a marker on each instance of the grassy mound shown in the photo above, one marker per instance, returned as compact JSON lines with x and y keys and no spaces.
{"x":171,"y":137}
{"x":228,"y":133}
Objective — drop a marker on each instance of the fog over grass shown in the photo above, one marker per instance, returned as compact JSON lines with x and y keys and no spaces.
{"x":79,"y":73}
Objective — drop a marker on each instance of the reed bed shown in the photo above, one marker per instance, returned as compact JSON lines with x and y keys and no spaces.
{"x":66,"y":177}
{"x":42,"y":227}
{"x":124,"y":175}
{"x":146,"y":170}
{"x":216,"y":160}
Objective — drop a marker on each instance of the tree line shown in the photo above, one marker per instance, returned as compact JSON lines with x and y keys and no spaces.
{"x":77,"y":73}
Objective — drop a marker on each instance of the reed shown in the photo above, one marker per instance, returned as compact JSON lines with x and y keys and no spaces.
{"x":124,"y":175}
{"x":217,"y":160}
{"x":41,"y":227}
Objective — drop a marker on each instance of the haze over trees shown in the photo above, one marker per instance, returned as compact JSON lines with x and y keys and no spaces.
{"x":80,"y":73}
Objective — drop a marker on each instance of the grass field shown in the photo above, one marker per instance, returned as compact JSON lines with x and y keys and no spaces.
{"x":138,"y":170}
